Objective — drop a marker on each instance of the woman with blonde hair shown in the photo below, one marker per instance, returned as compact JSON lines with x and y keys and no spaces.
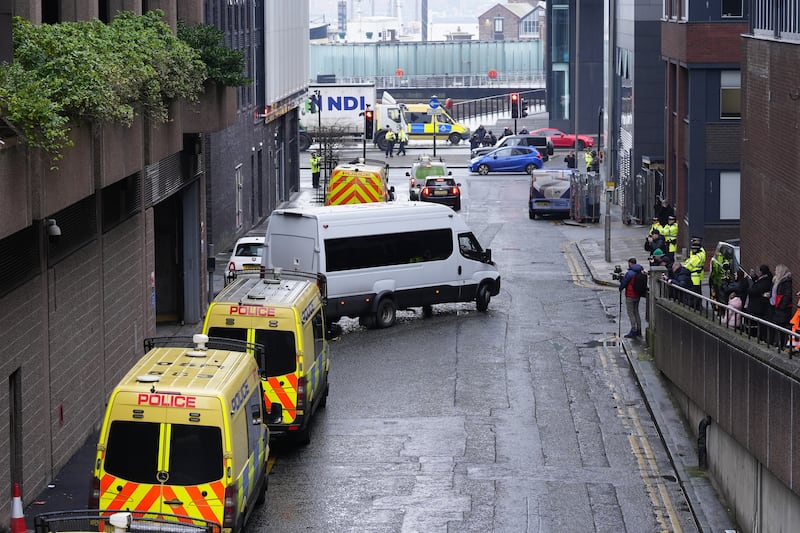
{"x":780,"y":302}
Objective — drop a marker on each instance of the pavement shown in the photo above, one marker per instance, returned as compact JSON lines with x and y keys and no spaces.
{"x":70,"y":488}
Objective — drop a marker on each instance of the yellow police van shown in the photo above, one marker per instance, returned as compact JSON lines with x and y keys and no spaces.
{"x":359,"y":182}
{"x":285,"y":315}
{"x":422,"y":125}
{"x":184,"y":434}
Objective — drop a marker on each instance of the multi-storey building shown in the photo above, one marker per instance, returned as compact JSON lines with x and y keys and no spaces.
{"x":134,"y":209}
{"x":702,"y":47}
{"x":770,"y":142}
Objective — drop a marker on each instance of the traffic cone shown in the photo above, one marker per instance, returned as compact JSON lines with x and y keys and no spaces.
{"x":17,"y":517}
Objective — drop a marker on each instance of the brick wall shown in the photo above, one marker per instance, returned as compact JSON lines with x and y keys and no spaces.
{"x":770,"y":155}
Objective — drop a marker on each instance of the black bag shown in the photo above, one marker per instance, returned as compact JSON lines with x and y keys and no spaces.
{"x":640,"y":284}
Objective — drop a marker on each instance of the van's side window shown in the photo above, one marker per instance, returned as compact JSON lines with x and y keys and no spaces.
{"x":469,"y":246}
{"x":254,"y":430}
{"x":351,"y":253}
{"x":319,"y":333}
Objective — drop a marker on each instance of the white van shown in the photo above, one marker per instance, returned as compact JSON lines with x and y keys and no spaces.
{"x":378,"y":257}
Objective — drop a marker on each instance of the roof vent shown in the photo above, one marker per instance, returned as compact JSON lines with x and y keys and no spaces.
{"x":148,"y":378}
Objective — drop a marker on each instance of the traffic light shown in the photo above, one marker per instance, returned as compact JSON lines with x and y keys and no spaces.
{"x":368,"y":123}
{"x":514,"y":105}
{"x":523,"y":107}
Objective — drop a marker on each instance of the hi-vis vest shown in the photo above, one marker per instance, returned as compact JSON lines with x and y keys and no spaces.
{"x":670,"y":233}
{"x":696,"y":265}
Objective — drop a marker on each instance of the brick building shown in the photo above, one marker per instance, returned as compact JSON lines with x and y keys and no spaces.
{"x":515,"y":20}
{"x":770,"y":158}
{"x":133,"y":206}
{"x":701,"y":45}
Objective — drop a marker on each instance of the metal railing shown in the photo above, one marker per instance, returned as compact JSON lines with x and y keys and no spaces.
{"x":534,"y":80}
{"x":498,"y":106}
{"x":755,"y":329}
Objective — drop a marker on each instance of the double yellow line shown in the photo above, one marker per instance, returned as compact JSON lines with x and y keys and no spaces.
{"x":663,"y":508}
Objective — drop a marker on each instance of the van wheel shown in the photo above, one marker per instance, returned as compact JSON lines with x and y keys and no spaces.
{"x":303,"y":437}
{"x":454,"y":138}
{"x":483,"y":297}
{"x":427,"y":311}
{"x":386,"y":313}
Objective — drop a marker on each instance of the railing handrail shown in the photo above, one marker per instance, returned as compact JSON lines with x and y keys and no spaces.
{"x":709,"y":307}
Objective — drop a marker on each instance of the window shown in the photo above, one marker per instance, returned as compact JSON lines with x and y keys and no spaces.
{"x":281,"y":355}
{"x":729,"y":195}
{"x":469,"y":246}
{"x":732,"y":8}
{"x":319,"y":333}
{"x":351,"y":253}
{"x":133,"y":439}
{"x":195,"y":454}
{"x":498,"y":24}
{"x":730,"y":94}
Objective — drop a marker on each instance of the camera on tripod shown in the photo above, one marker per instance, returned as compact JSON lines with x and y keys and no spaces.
{"x":618,"y":274}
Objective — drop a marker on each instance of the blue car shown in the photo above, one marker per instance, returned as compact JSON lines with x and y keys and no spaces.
{"x":507,"y":159}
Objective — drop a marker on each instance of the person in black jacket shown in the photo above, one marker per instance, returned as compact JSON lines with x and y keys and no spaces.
{"x":680,"y":276}
{"x":758,"y":296}
{"x":781,"y":303}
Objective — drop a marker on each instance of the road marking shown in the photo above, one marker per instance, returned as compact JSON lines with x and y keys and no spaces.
{"x":576,"y":270}
{"x":663,"y":508}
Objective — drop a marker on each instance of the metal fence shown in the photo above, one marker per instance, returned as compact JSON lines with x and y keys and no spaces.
{"x":751,"y":327}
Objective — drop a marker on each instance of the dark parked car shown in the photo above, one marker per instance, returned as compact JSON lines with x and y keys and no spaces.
{"x":543,"y":144}
{"x":508,"y":159}
{"x":441,"y":190}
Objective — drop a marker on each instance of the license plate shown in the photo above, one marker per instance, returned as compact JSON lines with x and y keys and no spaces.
{"x":251,"y":267}
{"x":440,"y":193}
{"x":542,"y":204}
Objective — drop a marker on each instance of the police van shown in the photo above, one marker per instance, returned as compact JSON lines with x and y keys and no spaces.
{"x":184,"y":434}
{"x":359,"y":182}
{"x":378,"y":258}
{"x":285,"y":315}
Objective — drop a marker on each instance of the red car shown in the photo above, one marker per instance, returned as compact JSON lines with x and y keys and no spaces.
{"x":564,"y":140}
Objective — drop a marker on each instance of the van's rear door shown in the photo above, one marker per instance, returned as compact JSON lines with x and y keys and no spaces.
{"x":194,"y":464}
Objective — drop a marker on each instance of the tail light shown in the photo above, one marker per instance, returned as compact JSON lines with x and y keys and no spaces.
{"x":94,"y":493}
{"x":301,"y":393}
{"x":413,"y":182}
{"x":425,"y":192}
{"x":229,"y":518}
{"x":454,"y":190}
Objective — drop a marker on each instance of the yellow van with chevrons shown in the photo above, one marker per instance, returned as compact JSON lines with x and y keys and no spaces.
{"x":285,"y":315}
{"x":184,"y":434}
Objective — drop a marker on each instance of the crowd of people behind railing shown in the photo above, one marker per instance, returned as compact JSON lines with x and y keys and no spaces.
{"x":760,"y":303}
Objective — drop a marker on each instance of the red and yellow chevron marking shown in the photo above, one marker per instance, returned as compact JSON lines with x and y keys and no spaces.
{"x":149,"y":498}
{"x":285,"y":394}
{"x":352,"y":190}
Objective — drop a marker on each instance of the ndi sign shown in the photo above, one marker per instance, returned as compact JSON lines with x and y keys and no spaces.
{"x":342,"y":103}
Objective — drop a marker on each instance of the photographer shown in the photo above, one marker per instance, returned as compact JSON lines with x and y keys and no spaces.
{"x":631,"y":284}
{"x":659,"y":258}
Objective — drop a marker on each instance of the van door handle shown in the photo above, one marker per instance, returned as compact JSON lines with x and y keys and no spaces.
{"x":174,"y":501}
{"x":459,"y":270}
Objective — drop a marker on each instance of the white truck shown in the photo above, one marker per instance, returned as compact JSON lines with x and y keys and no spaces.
{"x":341,"y":107}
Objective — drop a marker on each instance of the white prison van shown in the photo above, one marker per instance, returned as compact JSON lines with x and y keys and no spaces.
{"x":377,"y":258}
